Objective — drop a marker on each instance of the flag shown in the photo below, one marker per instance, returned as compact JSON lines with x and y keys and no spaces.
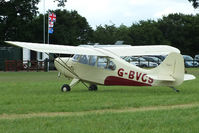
{"x":51,"y":24}
{"x":50,"y":30}
{"x":52,"y":17}
{"x":51,"y":20}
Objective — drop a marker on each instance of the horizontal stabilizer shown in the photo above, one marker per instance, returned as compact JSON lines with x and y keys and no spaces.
{"x":189,"y":77}
{"x":162,"y":77}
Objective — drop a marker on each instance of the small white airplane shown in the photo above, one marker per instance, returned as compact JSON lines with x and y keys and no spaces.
{"x":103,"y":65}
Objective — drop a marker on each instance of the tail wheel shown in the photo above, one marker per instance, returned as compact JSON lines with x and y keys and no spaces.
{"x":65,"y":88}
{"x":93,"y":88}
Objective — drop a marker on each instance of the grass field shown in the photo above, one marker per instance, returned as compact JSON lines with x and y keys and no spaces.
{"x":32,"y":102}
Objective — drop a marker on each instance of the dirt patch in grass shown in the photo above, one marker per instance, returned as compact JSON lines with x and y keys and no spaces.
{"x":124,"y":110}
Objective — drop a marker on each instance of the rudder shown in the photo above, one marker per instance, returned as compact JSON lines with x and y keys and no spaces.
{"x":170,"y":71}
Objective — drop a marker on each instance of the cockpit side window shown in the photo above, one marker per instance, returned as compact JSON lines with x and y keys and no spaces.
{"x":106,"y":63}
{"x":84,"y":59}
{"x":92,"y":60}
{"x":102,"y":62}
{"x":111,"y":65}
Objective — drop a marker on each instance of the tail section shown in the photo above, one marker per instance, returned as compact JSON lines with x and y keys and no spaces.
{"x":170,"y":72}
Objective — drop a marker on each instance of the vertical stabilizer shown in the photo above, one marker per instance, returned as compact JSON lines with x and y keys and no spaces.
{"x":171,"y":71}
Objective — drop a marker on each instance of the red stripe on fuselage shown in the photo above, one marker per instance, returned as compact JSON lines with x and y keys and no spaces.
{"x":112,"y":80}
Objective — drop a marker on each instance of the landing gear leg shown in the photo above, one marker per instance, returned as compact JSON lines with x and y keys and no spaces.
{"x":176,"y":90}
{"x":92,"y":88}
{"x":67,"y":87}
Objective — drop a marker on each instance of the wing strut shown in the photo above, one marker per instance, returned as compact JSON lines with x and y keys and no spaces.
{"x":68,"y":68}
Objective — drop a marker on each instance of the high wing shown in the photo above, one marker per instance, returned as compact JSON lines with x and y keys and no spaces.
{"x":142,"y":50}
{"x":105,"y":50}
{"x":57,"y":49}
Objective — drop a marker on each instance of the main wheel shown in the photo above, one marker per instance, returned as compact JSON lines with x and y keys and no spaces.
{"x":93,"y":88}
{"x":65,"y":88}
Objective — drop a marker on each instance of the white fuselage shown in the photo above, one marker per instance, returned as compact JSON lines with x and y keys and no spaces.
{"x":124,"y":73}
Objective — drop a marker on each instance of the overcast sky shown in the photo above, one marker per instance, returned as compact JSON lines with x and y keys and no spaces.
{"x":101,"y":12}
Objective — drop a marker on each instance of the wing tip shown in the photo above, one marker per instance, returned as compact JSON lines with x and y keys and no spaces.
{"x":10,"y":42}
{"x":7,"y":41}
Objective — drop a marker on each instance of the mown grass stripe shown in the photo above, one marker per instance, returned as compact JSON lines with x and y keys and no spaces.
{"x":124,"y":110}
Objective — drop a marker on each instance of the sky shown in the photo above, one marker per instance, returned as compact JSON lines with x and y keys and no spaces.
{"x":127,"y":12}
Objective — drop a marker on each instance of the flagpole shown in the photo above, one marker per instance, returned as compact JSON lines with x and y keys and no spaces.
{"x":44,"y":34}
{"x":44,"y":30}
{"x":48,"y":43}
{"x":48,"y":28}
{"x":44,"y":21}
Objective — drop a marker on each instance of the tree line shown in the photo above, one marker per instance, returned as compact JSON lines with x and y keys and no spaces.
{"x":19,"y":21}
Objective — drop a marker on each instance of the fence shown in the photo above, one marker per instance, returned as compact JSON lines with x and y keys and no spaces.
{"x":18,"y":65}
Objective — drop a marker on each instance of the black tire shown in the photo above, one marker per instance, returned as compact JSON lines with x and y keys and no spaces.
{"x":65,"y":88}
{"x":93,"y":88}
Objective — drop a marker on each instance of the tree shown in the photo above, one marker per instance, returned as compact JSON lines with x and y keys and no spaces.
{"x":105,"y":35}
{"x":61,"y":3}
{"x":109,"y":34}
{"x":33,"y":31}
{"x":182,"y":31}
{"x":195,"y":3}
{"x":147,"y":33}
{"x":14,"y":17}
{"x":123,"y":33}
{"x":70,"y":28}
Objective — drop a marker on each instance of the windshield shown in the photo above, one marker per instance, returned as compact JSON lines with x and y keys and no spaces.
{"x":76,"y":57}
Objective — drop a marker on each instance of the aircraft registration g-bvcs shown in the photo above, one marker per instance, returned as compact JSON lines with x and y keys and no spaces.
{"x":103,"y":65}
